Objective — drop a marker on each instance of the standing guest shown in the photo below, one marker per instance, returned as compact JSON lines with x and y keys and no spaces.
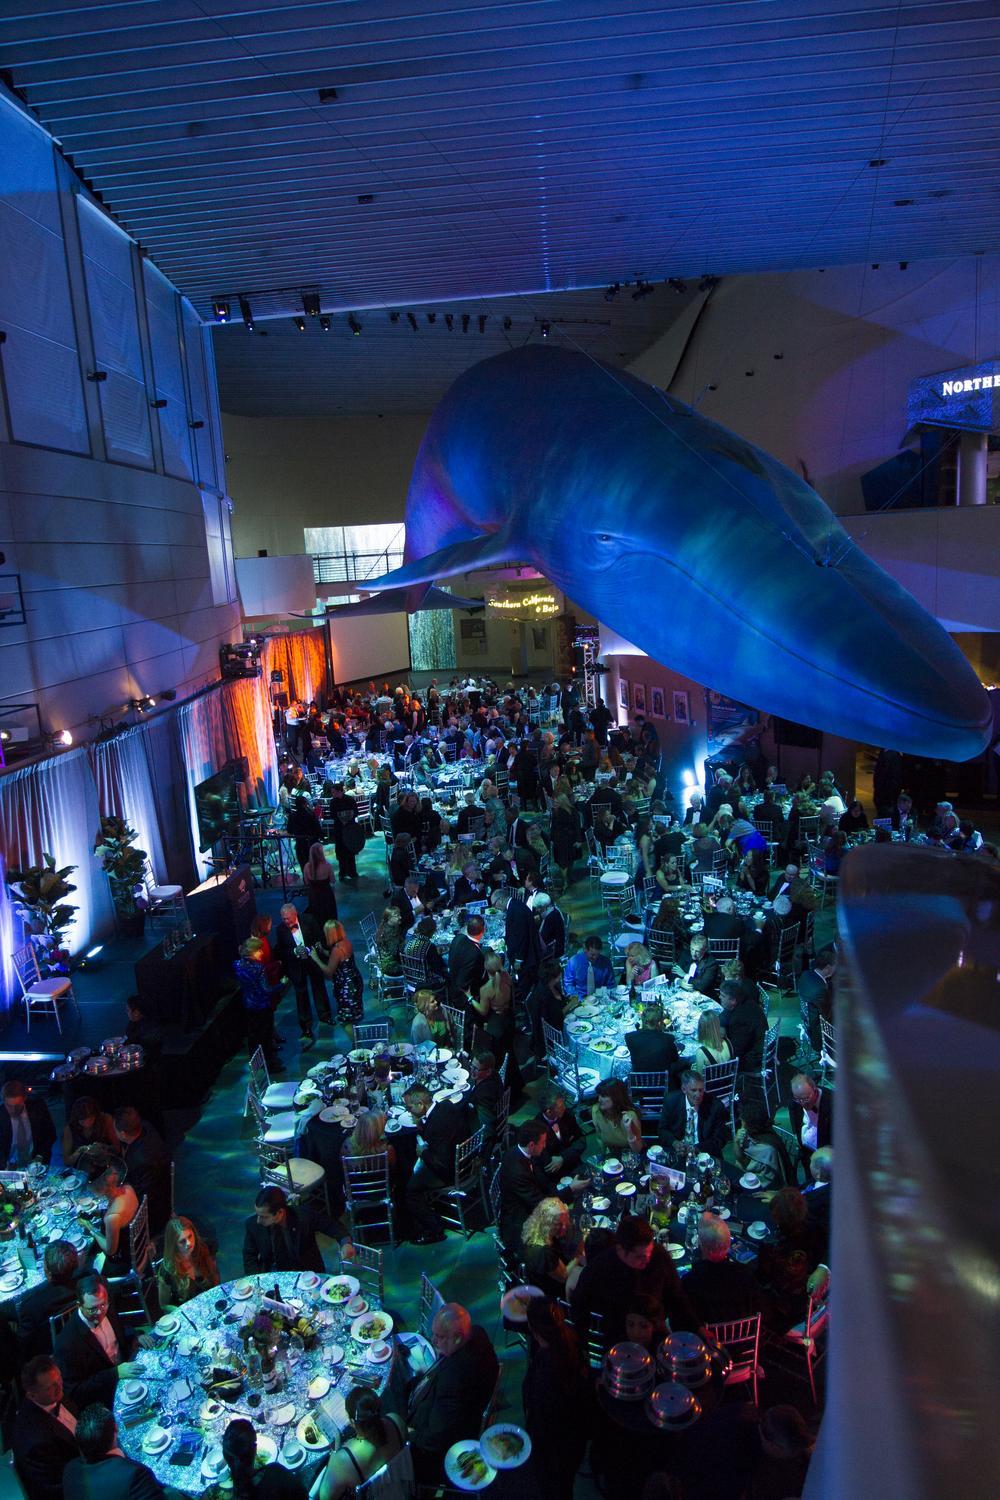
{"x":102,"y":1472}
{"x":713,"y":1046}
{"x":61,"y":1265}
{"x":447,"y":1404}
{"x":524,"y":947}
{"x":818,"y":1197}
{"x":402,"y":859}
{"x":430,"y":1024}
{"x":495,"y":1008}
{"x":634,"y":1264}
{"x":261,"y":929}
{"x":441,"y":1128}
{"x":304,"y":827}
{"x":692,"y":1116}
{"x":555,"y":1395}
{"x":719,"y":1289}
{"x":615,"y":1118}
{"x":564,"y":827}
{"x":295,"y":937}
{"x":187,"y":1267}
{"x":277,"y":1237}
{"x":375,"y":1439}
{"x":786,"y":1445}
{"x":784,"y":1265}
{"x":551,"y":924}
{"x":744,"y":1024}
{"x":344,"y":813}
{"x":523,"y":1182}
{"x":89,"y":1133}
{"x":43,"y":1440}
{"x":147,"y":1163}
{"x":92,"y":1349}
{"x":334,"y":958}
{"x":564,"y":1140}
{"x":27,"y":1130}
{"x":250,"y":1481}
{"x":467,"y":962}
{"x":588,"y":970}
{"x":651,"y":1048}
{"x":258,"y":1002}
{"x":317,"y":875}
{"x":815,"y":990}
{"x":547,"y":1002}
{"x":810,"y":1112}
{"x":141,"y":1031}
{"x":112,"y":1239}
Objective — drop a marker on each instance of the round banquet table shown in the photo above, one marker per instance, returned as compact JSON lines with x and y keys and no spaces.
{"x":206,"y":1332}
{"x":599,"y":1026}
{"x":60,"y":1197}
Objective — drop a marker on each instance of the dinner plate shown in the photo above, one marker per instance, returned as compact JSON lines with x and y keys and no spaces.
{"x":359,"y":1054}
{"x":167,"y":1325}
{"x":453,"y":1459}
{"x":339,"y":1290}
{"x":331,"y":1116}
{"x":315,"y":1442}
{"x":750,"y":1180}
{"x":318,"y":1070}
{"x":379,"y":1353}
{"x":676,"y":1252}
{"x":573,"y":1025}
{"x":317,"y":1388}
{"x":602,"y":1046}
{"x":493,"y":1449}
{"x":442,"y":1054}
{"x":242,"y":1290}
{"x":156,"y":1440}
{"x":281,"y":1416}
{"x":267,"y":1448}
{"x":514,"y":1302}
{"x":11,"y":1280}
{"x":364,"y":1319}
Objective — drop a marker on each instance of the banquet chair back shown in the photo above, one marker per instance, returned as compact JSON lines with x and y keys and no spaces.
{"x":720,"y":1083}
{"x":768,"y":1074}
{"x":595,"y":859}
{"x":40,"y":994}
{"x":456,"y":1025}
{"x":477,"y":826}
{"x":724,"y":948}
{"x":741,"y":1340}
{"x":167,"y":899}
{"x":133,"y":1290}
{"x":367,"y":1266}
{"x":498,"y":1136}
{"x":372,"y":1033}
{"x":295,"y":1175}
{"x":369,"y":927}
{"x":595,"y":1350}
{"x":562,"y":1061}
{"x":809,"y":826}
{"x":646,"y":1091}
{"x":552,"y":1036}
{"x":490,"y":1408}
{"x":828,"y":1054}
{"x":58,"y":1322}
{"x":720,"y":862}
{"x":414,"y":970}
{"x":808,"y":1340}
{"x":368,"y":1194}
{"x":271,"y":1096}
{"x":393,"y":1481}
{"x":784,"y":963}
{"x":621,"y":857}
{"x":502,"y":1070}
{"x":452,"y":1202}
{"x":430,"y":1304}
{"x":765,"y":827}
{"x":662,"y":946}
{"x":363,"y":815}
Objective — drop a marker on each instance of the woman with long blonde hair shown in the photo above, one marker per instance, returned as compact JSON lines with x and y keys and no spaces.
{"x":335,"y":958}
{"x":713,"y":1047}
{"x":368,"y":1137}
{"x":188,"y":1266}
{"x":550,"y":1259}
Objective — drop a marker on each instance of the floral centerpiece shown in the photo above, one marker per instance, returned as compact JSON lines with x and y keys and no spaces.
{"x":266,"y":1328}
{"x":124,"y":865}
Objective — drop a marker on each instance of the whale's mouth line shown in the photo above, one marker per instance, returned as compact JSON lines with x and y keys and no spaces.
{"x":789,"y":651}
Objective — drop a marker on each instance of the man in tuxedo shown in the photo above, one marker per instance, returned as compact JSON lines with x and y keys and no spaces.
{"x":588,"y":970}
{"x":43,"y":1440}
{"x":293,"y":940}
{"x":743,"y":1023}
{"x":27,"y":1130}
{"x":818,"y":1197}
{"x":633,"y":1265}
{"x":564,"y":1140}
{"x":815,"y":990}
{"x":61,"y":1264}
{"x":470,"y":885}
{"x":278,"y":1237}
{"x":147,"y":1164}
{"x":524,"y":947}
{"x":102,"y":1472}
{"x":810,"y":1113}
{"x":703,"y":973}
{"x":517,"y":829}
{"x":470,"y":816}
{"x":441,"y":1129}
{"x":407,"y":902}
{"x":466,"y":964}
{"x":523,"y":1181}
{"x":447,"y":1404}
{"x":690,"y":1114}
{"x":343,"y":814}
{"x":487,"y":1091}
{"x":92,"y":1349}
{"x":508,"y":865}
{"x":720,"y":1289}
{"x":651,"y":1048}
{"x":722,"y":920}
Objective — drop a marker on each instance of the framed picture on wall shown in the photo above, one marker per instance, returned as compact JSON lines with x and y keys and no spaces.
{"x":656,"y":707}
{"x":639,"y":697}
{"x":473,"y":634}
{"x":623,"y":697}
{"x":682,"y":708}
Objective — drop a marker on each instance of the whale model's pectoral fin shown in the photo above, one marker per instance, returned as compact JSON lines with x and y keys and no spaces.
{"x":461,"y":557}
{"x":390,"y":601}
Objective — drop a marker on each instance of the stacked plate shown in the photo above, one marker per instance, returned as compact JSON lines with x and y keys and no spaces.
{"x":684,"y":1357}
{"x":672,"y":1406}
{"x":629,"y":1372}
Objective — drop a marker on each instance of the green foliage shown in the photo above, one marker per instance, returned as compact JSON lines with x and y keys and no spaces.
{"x":40,"y":893}
{"x":121,"y":861}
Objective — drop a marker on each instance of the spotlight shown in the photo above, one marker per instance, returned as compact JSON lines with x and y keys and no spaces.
{"x":354,"y":326}
{"x":546,"y":329}
{"x":220,"y":312}
{"x":143,"y":705}
{"x":93,"y":952}
{"x":612,"y":291}
{"x":60,"y":739}
{"x":300,"y":324}
{"x":903,"y":264}
{"x":466,"y":320}
{"x":508,"y":324}
{"x":394,"y":315}
{"x":642,"y":289}
{"x":168,"y":695}
{"x":449,"y":322}
{"x":310,"y":304}
{"x":432,"y":318}
{"x":4,"y":736}
{"x":482,"y":322}
{"x":324,"y":323}
{"x":677,"y":285}
{"x":411,"y":318}
{"x":247,"y":315}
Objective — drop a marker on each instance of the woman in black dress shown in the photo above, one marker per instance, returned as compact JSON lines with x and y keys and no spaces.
{"x":556,"y":1399}
{"x":317,"y":873}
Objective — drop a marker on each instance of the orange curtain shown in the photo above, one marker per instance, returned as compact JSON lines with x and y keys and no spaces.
{"x":302,"y":658}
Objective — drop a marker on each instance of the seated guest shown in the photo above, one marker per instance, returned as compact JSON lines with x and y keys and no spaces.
{"x":470,"y":886}
{"x":722,"y":921}
{"x":703,"y":973}
{"x":564,"y":1140}
{"x":61,"y":1264}
{"x":402,"y":859}
{"x":744,"y":1024}
{"x":419,"y":947}
{"x":646,"y":1322}
{"x":815,"y":991}
{"x":547,"y":1002}
{"x":610,"y":1281}
{"x":390,"y":934}
{"x":250,"y":1480}
{"x":640,"y":966}
{"x":693,"y":1116}
{"x":615,"y":1118}
{"x":548,"y":1250}
{"x":88,"y":1135}
{"x":785,"y":1264}
{"x":854,"y":820}
{"x":430,"y":1024}
{"x":523,"y":1181}
{"x":43,"y":1440}
{"x":487,"y":1091}
{"x":810,"y":1112}
{"x":447,"y":1404}
{"x":759,"y":1148}
{"x":92,"y":1349}
{"x":27,"y":1130}
{"x":368,"y":1138}
{"x":278,"y":1237}
{"x":719,"y":1289}
{"x":187,"y":1267}
{"x":147,"y":1163}
{"x":406,"y":902}
{"x":651,"y":1048}
{"x":112,"y":1239}
{"x":588,"y":970}
{"x":818,"y":1197}
{"x":376,"y":1438}
{"x":102,"y":1472}
{"x":441,"y":1129}
{"x":713,"y":1046}
{"x":470,"y":816}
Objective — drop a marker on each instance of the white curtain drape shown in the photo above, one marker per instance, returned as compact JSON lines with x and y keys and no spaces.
{"x":125,"y":788}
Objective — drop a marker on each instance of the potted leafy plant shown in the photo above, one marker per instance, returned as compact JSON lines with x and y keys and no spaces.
{"x":40,"y":893}
{"x":123,"y":864}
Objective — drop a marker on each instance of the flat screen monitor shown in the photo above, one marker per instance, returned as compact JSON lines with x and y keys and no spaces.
{"x":217,"y":804}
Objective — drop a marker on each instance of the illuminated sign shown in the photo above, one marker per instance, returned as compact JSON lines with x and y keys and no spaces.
{"x":966,"y":399}
{"x":538,"y":604}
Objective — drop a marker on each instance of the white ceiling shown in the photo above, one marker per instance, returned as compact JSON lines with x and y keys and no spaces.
{"x":514,"y":148}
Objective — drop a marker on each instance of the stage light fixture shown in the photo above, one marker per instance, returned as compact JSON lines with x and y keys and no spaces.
{"x":411,"y":318}
{"x":310,"y":304}
{"x":449,"y":322}
{"x":324,"y":323}
{"x":220,"y":312}
{"x":546,"y":329}
{"x":482,"y":322}
{"x":677,"y":285}
{"x":394,"y":315}
{"x":612,"y":291}
{"x":508,"y":324}
{"x":300,"y":324}
{"x":59,"y":739}
{"x":354,"y":326}
{"x":143,"y":705}
{"x":466,"y":320}
{"x":246,"y":314}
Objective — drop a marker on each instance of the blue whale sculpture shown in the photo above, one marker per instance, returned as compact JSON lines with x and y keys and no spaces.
{"x":702,"y":550}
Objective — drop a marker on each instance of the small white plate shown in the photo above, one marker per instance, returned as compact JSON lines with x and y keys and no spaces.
{"x":242,"y":1290}
{"x":601,"y":1205}
{"x":750,"y":1181}
{"x":497,"y":1458}
{"x":318,"y":1387}
{"x":625,"y":1189}
{"x":11,"y":1280}
{"x":167,"y":1325}
{"x":281,"y":1416}
{"x":371,"y":1338}
{"x":392,"y":1127}
{"x":211,"y":1410}
{"x":213,"y":1465}
{"x":288,"y":1462}
{"x":308,"y":1280}
{"x":308,"y":1425}
{"x":514,"y":1302}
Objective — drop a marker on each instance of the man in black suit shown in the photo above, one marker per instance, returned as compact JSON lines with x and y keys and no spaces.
{"x":447,"y":1404}
{"x":278,"y":1237}
{"x":524,"y":946}
{"x":466,"y":964}
{"x":43,"y":1440}
{"x":508,"y":865}
{"x":651,"y":1048}
{"x":487,"y":1091}
{"x":102,"y":1472}
{"x":691,"y":1114}
{"x":147,"y":1164}
{"x":517,"y":829}
{"x":441,"y":1128}
{"x":722,"y":921}
{"x":564,"y":1140}
{"x":470,"y":885}
{"x":610,"y":1282}
{"x":27,"y":1130}
{"x":57,"y":1292}
{"x":546,"y":1001}
{"x":743,"y":1023}
{"x":343,"y":814}
{"x":704,"y":972}
{"x":810,"y":1113}
{"x":92,"y":1349}
{"x":720,"y":1289}
{"x":294,"y":938}
{"x":469,"y":816}
{"x":407,"y":902}
{"x":815,"y":990}
{"x":523,"y":1181}
{"x":818,"y":1198}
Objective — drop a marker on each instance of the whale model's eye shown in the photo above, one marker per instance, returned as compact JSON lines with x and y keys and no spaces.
{"x":604,"y":536}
